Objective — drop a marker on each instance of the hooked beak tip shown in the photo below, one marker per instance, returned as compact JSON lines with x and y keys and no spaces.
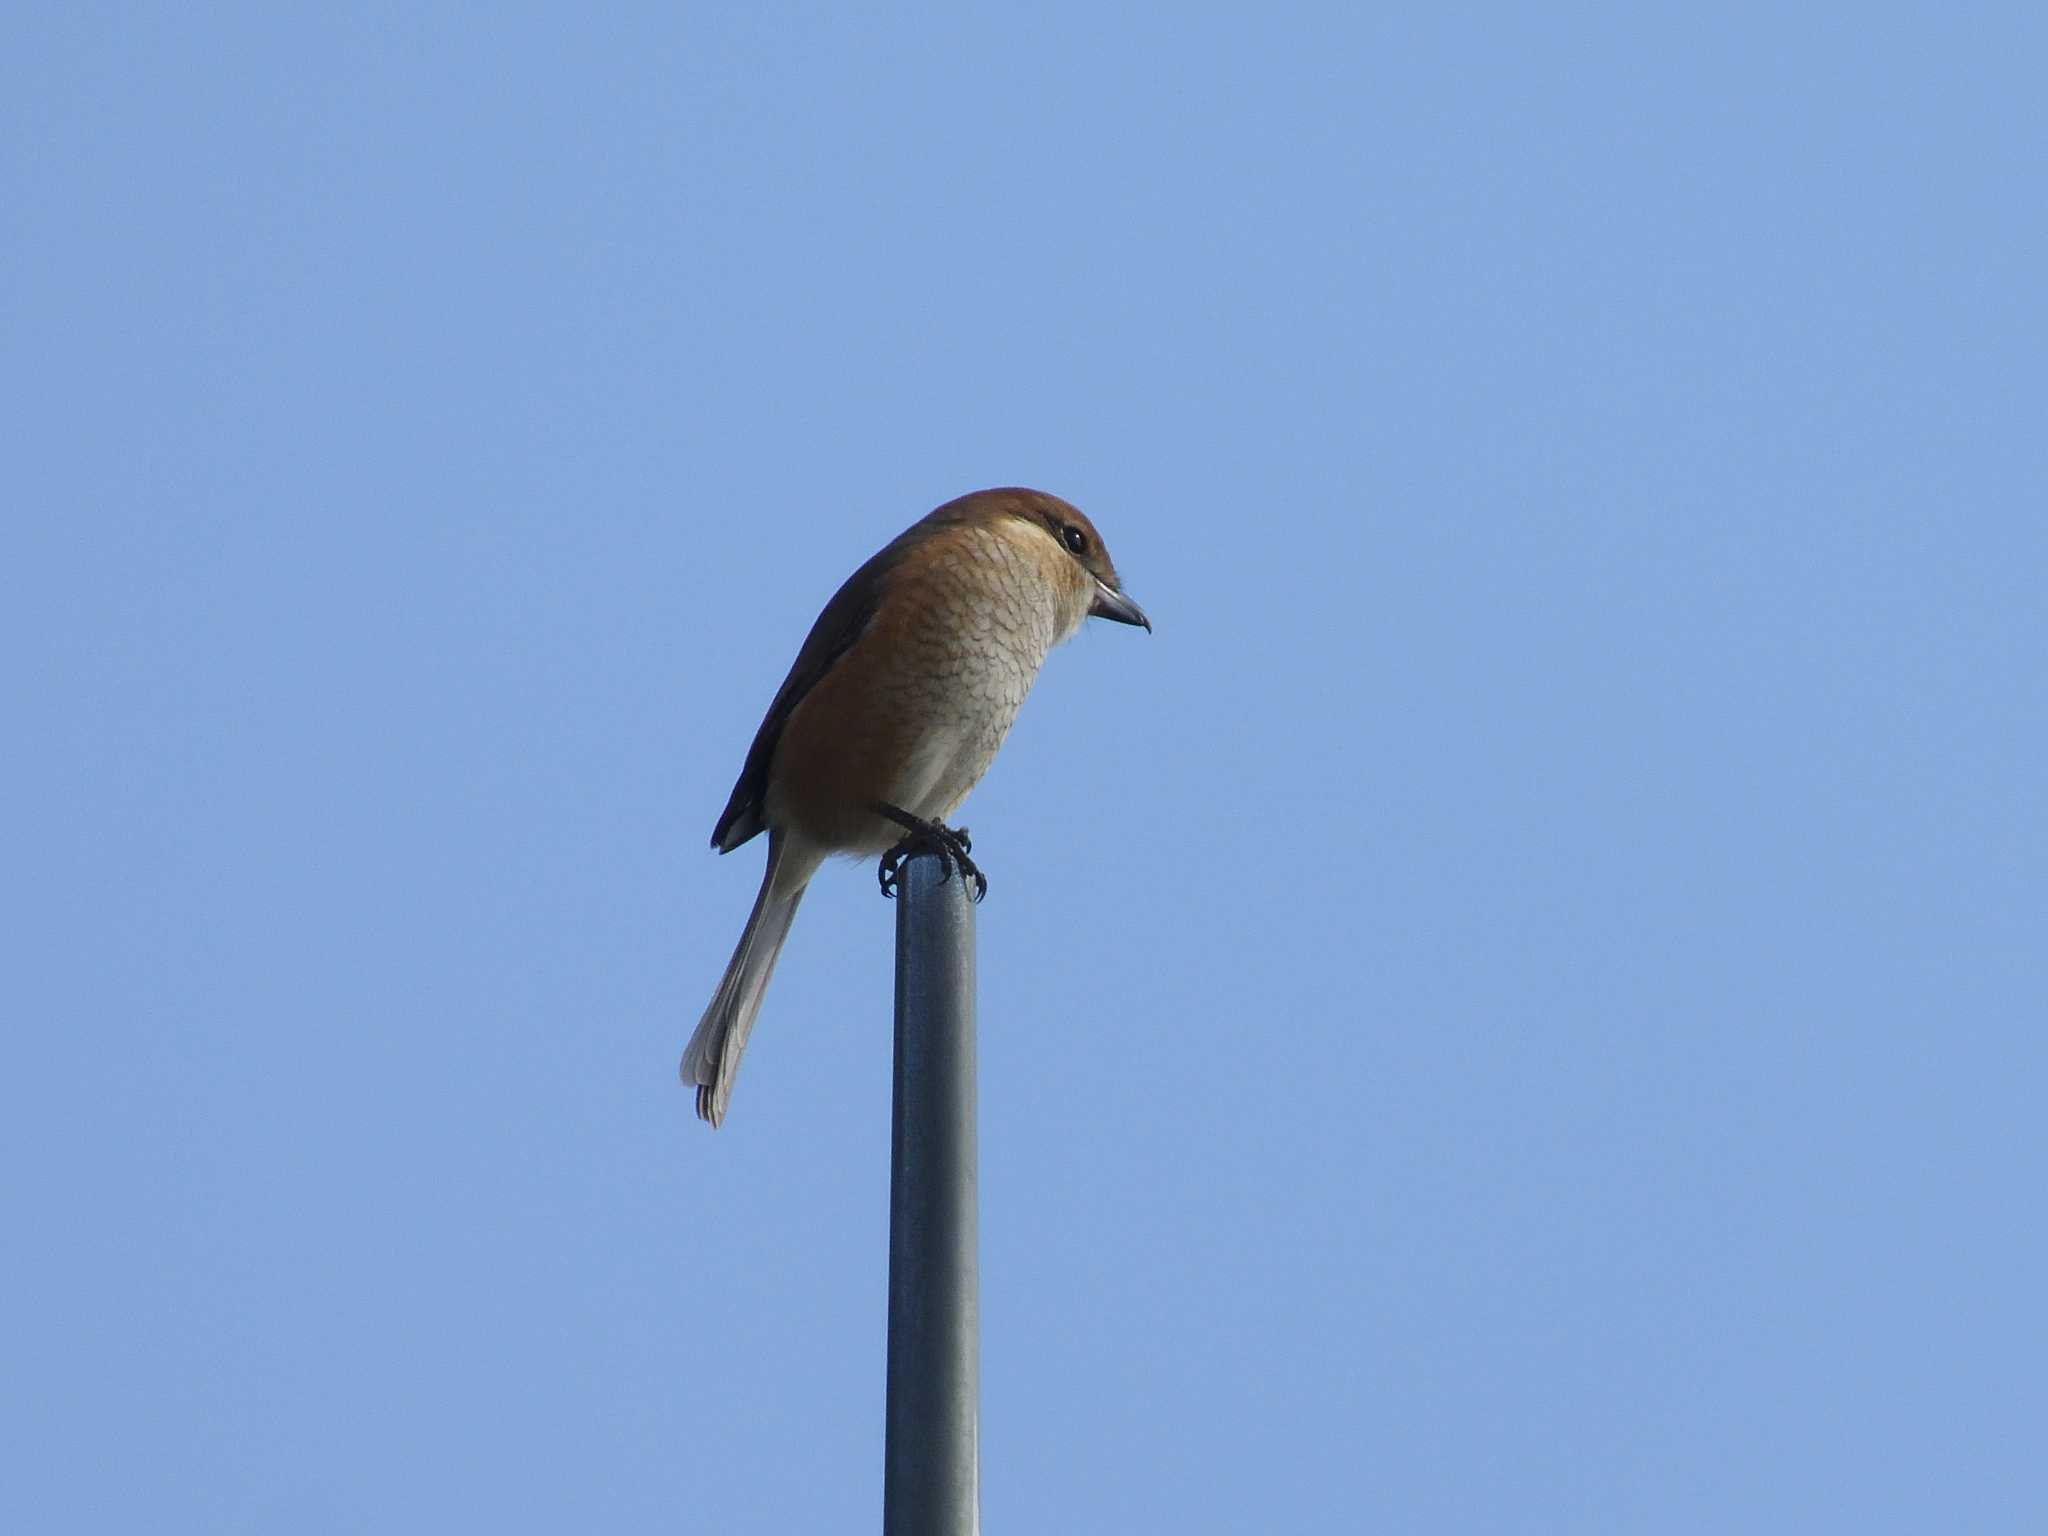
{"x":1113,"y":605}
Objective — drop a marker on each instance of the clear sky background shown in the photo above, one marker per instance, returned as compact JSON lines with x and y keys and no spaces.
{"x":1520,"y":1007}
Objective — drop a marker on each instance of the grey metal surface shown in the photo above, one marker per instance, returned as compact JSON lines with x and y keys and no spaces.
{"x":931,"y":1473}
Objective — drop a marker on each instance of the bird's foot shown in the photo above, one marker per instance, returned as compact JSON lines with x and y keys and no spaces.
{"x":951,"y":843}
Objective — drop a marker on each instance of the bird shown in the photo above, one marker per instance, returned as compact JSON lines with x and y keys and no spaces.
{"x":892,"y":712}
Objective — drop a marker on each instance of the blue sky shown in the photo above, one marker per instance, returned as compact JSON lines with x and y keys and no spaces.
{"x":1519,"y":1007}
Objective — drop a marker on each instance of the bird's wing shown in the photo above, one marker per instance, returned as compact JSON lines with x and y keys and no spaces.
{"x":845,"y":619}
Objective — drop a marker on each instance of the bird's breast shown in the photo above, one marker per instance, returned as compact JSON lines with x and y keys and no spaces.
{"x":915,"y":711}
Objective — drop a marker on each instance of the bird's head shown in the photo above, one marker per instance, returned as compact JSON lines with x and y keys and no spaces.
{"x":1077,"y":560}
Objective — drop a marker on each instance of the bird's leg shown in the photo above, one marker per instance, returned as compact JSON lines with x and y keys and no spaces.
{"x":951,"y":843}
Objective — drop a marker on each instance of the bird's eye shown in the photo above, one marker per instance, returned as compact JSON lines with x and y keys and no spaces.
{"x":1074,"y":539}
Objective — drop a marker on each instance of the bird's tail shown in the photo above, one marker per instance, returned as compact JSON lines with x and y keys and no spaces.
{"x":712,"y":1058}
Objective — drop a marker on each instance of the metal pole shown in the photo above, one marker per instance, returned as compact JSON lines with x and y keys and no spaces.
{"x":931,"y":1448}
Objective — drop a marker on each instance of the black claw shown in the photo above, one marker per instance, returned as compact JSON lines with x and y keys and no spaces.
{"x":929,"y":837}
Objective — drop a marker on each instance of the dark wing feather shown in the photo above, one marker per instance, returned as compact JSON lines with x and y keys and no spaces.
{"x":844,"y":621}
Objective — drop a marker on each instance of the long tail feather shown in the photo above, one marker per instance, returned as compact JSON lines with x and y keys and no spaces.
{"x":712,"y":1058}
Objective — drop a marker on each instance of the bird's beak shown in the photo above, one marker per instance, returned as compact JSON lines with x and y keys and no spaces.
{"x":1112,"y":604}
